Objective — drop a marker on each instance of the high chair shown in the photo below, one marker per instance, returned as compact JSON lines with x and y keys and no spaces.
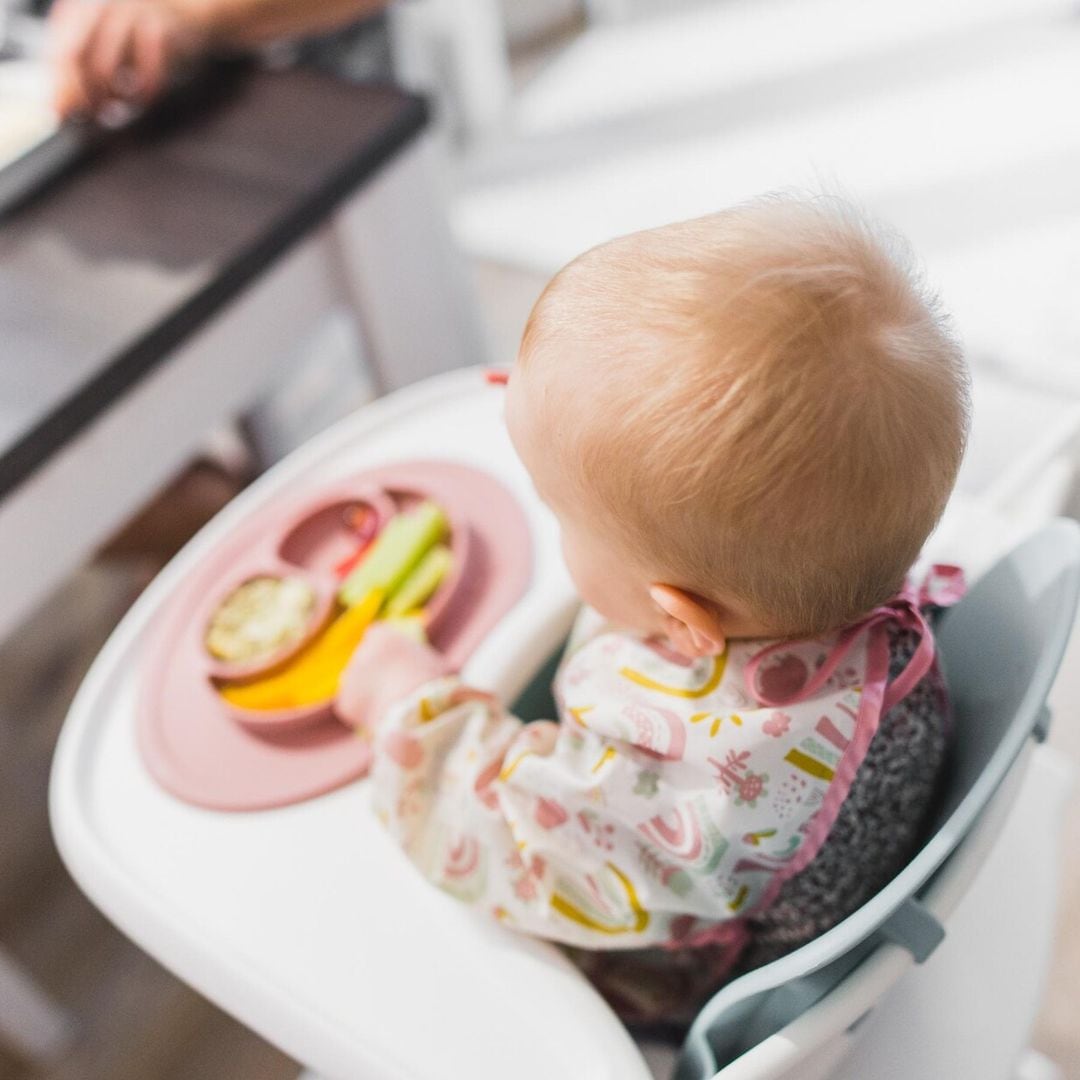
{"x":310,"y":926}
{"x":968,"y":1013}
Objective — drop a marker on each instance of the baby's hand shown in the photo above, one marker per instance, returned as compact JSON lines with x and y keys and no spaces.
{"x":387,"y":666}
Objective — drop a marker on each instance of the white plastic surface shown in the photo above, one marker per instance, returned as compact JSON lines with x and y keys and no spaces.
{"x":966,"y":1013}
{"x":1013,"y":293}
{"x":306,"y":922}
{"x":1016,"y":431}
{"x":26,"y":113}
{"x":1016,"y":475}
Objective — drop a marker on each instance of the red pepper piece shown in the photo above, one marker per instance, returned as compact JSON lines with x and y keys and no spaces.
{"x":351,"y":561}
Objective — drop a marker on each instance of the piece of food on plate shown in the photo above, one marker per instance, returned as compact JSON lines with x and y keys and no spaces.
{"x":405,"y":539}
{"x":363,"y":521}
{"x":259,"y":617}
{"x":312,"y":676}
{"x":421,"y":583}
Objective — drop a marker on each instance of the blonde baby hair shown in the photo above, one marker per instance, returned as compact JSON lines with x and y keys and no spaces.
{"x":762,"y":404}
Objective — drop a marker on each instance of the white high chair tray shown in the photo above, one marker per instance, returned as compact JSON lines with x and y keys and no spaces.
{"x":306,"y":922}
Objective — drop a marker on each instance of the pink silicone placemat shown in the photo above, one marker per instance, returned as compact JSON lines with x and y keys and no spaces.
{"x":197,"y":751}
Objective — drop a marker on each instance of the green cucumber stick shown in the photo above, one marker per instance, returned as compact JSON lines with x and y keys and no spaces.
{"x":421,"y":582}
{"x":403,"y":542}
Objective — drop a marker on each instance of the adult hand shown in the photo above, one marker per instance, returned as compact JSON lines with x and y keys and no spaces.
{"x":117,"y":50}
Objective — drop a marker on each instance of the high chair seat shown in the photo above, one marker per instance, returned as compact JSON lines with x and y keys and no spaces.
{"x":1001,"y":648}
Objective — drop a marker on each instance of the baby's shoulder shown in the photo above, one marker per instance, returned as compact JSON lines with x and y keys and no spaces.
{"x":626,"y":685}
{"x":603,"y":660}
{"x":636,"y":688}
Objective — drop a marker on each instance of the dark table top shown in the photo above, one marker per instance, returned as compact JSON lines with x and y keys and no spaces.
{"x":111,"y":267}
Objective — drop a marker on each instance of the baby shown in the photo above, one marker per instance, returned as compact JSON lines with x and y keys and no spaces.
{"x":746,"y":425}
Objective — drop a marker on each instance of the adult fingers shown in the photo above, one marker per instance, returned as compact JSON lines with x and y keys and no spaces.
{"x":72,"y":25}
{"x":109,"y":53}
{"x":155,"y":45}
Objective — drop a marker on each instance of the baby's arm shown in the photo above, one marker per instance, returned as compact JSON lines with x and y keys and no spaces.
{"x":551,"y":826}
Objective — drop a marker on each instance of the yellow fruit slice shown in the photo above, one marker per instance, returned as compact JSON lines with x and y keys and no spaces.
{"x":312,"y":676}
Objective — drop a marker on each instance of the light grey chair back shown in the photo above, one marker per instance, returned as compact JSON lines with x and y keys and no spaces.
{"x":1001,"y":647}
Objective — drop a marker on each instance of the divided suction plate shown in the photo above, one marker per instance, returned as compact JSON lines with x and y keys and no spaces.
{"x":197,"y":746}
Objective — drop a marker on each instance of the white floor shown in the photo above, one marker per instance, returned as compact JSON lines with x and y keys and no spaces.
{"x":709,"y":51}
{"x":955,"y":122}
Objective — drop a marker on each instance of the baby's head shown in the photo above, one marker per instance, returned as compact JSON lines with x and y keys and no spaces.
{"x":747,"y":424}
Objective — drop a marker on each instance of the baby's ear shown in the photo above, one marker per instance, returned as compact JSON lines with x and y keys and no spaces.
{"x":692,"y":625}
